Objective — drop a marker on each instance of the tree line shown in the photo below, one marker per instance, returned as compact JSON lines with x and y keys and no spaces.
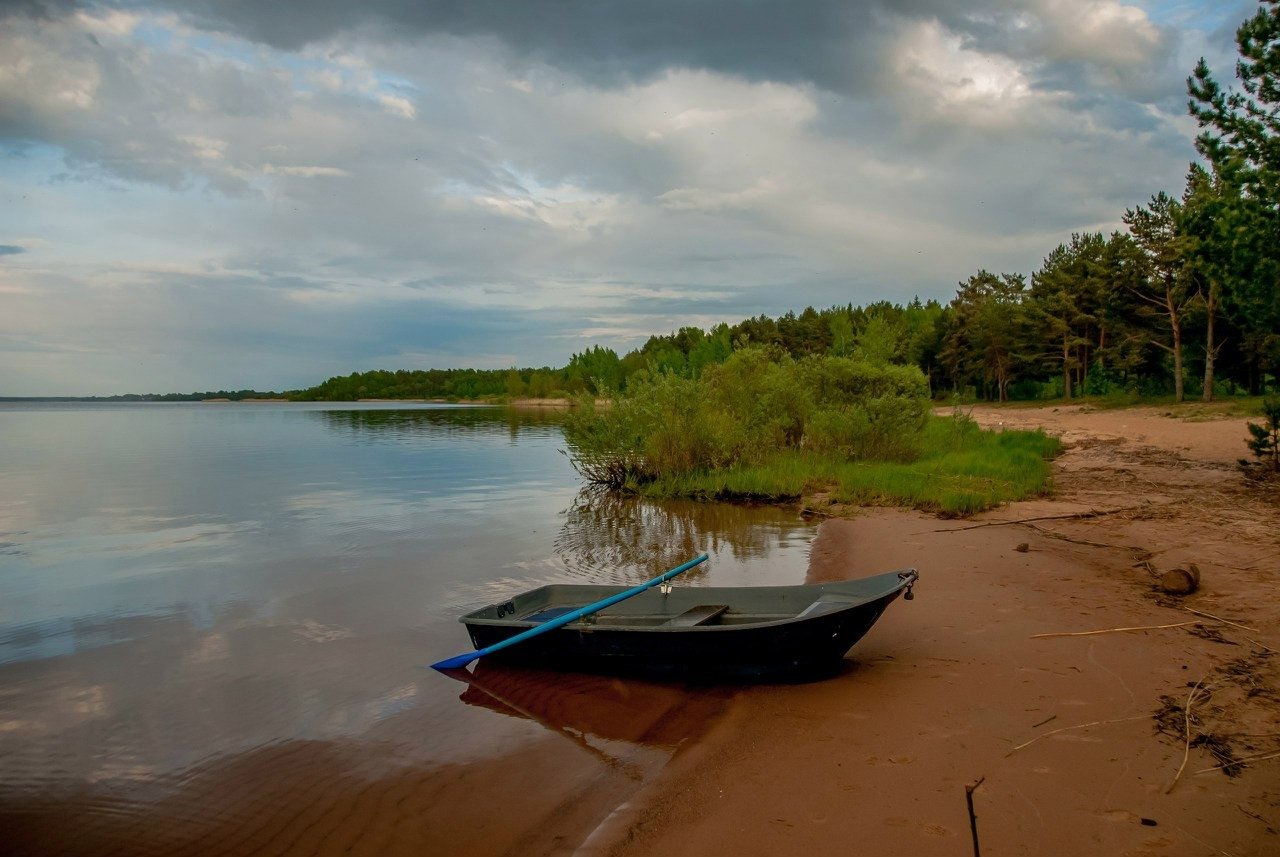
{"x":1184,"y":301}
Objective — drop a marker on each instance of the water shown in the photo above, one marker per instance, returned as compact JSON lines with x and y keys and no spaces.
{"x":206,"y":609}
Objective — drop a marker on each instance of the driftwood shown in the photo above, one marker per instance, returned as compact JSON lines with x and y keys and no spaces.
{"x":1181,"y":581}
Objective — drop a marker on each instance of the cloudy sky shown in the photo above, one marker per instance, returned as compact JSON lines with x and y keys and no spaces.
{"x":203,"y":194}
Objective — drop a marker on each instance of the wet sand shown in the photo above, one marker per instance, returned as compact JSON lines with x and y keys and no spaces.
{"x":875,"y":760}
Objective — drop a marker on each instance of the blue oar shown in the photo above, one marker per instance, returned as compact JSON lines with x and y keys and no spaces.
{"x":551,"y":624}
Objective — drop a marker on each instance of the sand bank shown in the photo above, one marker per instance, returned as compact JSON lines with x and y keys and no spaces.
{"x":947,"y":687}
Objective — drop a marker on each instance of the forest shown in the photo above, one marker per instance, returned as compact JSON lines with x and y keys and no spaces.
{"x":1183,"y":302}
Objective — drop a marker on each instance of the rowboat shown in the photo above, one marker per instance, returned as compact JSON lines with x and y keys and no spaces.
{"x":746,"y":632}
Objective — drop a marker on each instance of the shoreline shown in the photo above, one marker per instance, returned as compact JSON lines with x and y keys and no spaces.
{"x":952,"y":688}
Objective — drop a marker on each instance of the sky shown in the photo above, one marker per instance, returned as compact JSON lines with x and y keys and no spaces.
{"x":227,"y":194}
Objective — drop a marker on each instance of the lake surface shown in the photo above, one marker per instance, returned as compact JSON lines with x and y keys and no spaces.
{"x":214,"y":620}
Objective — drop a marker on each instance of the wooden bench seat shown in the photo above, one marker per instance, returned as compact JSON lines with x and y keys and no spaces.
{"x":700,"y":615}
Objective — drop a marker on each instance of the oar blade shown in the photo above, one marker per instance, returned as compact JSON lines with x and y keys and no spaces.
{"x":456,"y":663}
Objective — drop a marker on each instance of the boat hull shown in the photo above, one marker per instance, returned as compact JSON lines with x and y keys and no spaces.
{"x":765,"y":632}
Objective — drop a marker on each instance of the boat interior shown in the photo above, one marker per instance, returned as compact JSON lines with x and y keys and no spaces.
{"x":686,"y":607}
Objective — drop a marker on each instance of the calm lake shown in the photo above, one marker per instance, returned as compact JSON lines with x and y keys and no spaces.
{"x":214,"y":619}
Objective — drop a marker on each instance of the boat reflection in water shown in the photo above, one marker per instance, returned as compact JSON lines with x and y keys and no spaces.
{"x":632,"y":726}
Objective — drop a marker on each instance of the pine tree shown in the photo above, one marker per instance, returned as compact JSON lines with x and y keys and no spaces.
{"x":1265,"y":443}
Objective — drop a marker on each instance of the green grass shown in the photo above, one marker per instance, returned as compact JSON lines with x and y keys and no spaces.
{"x":958,"y":469}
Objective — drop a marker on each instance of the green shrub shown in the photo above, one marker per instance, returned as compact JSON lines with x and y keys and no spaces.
{"x":1264,"y":437}
{"x":746,"y":411}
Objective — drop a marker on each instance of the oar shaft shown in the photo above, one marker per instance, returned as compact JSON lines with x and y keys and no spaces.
{"x":565,"y":619}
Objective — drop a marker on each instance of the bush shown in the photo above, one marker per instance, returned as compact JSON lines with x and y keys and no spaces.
{"x":1264,"y":441}
{"x":746,"y":410}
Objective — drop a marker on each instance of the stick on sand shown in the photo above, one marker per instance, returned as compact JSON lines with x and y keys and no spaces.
{"x":1113,"y":630}
{"x":1186,"y":751}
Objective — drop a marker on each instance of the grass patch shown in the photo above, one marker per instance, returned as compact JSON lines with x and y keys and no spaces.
{"x":957,"y":469}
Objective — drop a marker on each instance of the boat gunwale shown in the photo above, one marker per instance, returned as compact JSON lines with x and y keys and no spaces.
{"x":905,"y":579}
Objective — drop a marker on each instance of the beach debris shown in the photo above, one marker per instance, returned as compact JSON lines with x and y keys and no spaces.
{"x":973,"y":818}
{"x":1202,"y":719}
{"x":1212,"y":633}
{"x":1073,"y":516}
{"x":1220,"y":619}
{"x":1113,"y":630}
{"x":1071,"y":728}
{"x":1186,"y":752}
{"x":1254,"y":815}
{"x":1239,"y":763}
{"x":1181,"y":581}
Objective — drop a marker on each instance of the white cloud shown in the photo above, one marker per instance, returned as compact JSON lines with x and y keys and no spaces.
{"x":947,"y":80}
{"x":1105,"y":32}
{"x":397,"y":106}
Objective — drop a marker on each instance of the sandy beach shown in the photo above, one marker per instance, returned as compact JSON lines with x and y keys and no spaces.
{"x":951,"y":689}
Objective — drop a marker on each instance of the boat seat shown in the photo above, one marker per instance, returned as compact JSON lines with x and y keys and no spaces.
{"x":700,"y":615}
{"x":547,"y":614}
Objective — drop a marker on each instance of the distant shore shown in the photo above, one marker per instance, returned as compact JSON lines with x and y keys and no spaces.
{"x":511,"y":403}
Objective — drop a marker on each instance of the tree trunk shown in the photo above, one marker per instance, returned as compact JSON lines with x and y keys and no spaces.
{"x":1066,"y":368}
{"x":1210,"y":348}
{"x":1175,"y":322}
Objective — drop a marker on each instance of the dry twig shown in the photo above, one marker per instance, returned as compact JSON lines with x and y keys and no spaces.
{"x":1186,"y":751}
{"x":1224,"y":621}
{"x":1054,"y":534}
{"x":1257,"y":562}
{"x":973,"y":818}
{"x":1077,"y":516}
{"x":1069,"y":728}
{"x":1113,"y":630}
{"x":1267,"y":649}
{"x":1245,"y":761}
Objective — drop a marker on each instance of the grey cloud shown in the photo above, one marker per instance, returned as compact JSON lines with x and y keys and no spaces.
{"x":11,"y":249}
{"x":603,"y":40}
{"x":36,"y":8}
{"x":835,"y":44}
